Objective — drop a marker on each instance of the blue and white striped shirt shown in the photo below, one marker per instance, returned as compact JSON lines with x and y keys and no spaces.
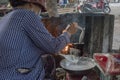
{"x":23,"y":39}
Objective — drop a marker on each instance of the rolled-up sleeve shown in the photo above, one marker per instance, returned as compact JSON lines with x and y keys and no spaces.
{"x":41,"y":37}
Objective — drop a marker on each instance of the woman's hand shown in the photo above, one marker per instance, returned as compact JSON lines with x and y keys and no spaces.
{"x":71,"y":28}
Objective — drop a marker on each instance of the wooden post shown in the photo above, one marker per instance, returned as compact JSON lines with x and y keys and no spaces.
{"x":99,"y":33}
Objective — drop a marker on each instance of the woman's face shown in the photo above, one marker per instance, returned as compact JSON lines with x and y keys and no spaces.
{"x":35,"y":8}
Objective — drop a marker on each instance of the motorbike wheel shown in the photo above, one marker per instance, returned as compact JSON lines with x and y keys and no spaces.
{"x":87,"y":8}
{"x":81,"y":9}
{"x":107,"y":9}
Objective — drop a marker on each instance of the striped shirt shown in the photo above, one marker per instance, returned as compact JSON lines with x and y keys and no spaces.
{"x":23,"y":39}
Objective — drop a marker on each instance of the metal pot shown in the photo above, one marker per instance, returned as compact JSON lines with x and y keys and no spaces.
{"x":79,"y":46}
{"x":84,"y":66}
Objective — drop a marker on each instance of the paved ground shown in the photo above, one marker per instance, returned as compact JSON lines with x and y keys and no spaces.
{"x":115,"y":10}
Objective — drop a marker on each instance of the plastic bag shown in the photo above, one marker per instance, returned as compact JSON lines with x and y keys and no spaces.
{"x":109,"y":64}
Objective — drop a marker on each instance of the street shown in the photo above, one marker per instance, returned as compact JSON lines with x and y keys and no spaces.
{"x":115,"y":10}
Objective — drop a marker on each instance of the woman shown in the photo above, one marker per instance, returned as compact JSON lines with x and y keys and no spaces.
{"x":23,"y":39}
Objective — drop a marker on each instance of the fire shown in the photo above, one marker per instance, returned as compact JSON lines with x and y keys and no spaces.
{"x":67,"y":49}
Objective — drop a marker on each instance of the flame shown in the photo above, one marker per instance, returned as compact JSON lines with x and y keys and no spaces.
{"x":66,"y":49}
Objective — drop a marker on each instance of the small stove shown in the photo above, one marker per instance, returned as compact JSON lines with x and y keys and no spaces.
{"x":74,"y":77}
{"x":91,"y":75}
{"x":69,"y":75}
{"x":61,"y":74}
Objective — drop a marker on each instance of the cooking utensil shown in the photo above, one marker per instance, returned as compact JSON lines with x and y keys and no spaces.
{"x":80,"y":47}
{"x":82,"y":34}
{"x":83,"y":66}
{"x":70,"y":58}
{"x":73,"y":55}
